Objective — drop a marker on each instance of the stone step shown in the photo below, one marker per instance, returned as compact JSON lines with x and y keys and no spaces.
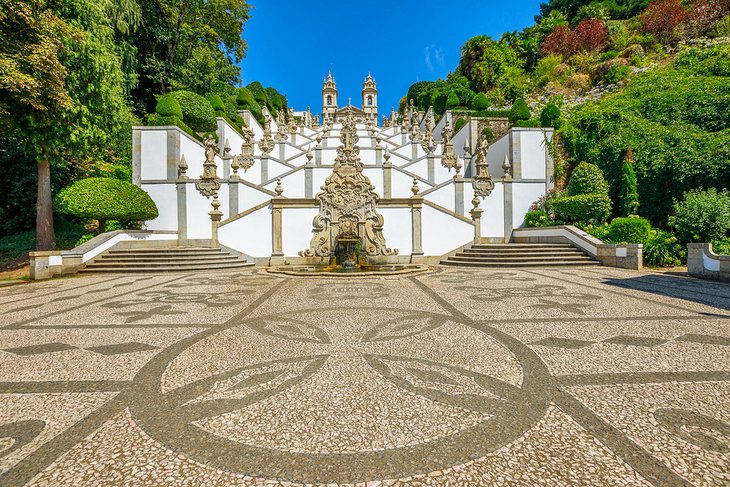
{"x":522,"y":246}
{"x":177,"y":268}
{"x":517,"y":253}
{"x":174,"y":259}
{"x":171,"y":251}
{"x":539,"y":258}
{"x":520,"y":264}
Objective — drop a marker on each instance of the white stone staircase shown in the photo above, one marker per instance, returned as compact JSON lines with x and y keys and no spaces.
{"x":519,"y":255}
{"x":173,"y":259}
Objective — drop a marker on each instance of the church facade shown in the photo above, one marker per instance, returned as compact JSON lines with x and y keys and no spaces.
{"x":332,"y":112}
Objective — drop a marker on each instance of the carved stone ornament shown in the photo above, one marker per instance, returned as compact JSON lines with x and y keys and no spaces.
{"x":292,"y":126}
{"x":448,"y":158}
{"x":347,"y":204}
{"x":282,"y":132}
{"x":209,"y":184}
{"x":483,"y":184}
{"x":267,"y":143}
{"x":245,"y":160}
{"x":429,"y":143}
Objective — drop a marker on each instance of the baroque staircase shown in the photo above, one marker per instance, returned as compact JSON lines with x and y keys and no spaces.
{"x":174,"y":259}
{"x":519,"y":255}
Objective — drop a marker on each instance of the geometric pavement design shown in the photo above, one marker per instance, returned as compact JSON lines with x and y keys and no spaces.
{"x":586,"y":376}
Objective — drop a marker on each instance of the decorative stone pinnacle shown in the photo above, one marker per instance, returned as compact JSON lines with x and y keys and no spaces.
{"x":226,"y":149}
{"x":506,"y":166}
{"x":309,"y":154}
{"x":386,"y":156}
{"x":415,"y":189}
{"x":279,"y":188}
{"x":182,"y":168}
{"x":216,"y":202}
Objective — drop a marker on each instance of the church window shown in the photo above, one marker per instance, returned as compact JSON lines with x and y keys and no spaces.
{"x":370,"y":100}
{"x":329,"y":99}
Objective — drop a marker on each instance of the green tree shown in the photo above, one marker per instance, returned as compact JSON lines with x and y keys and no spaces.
{"x":452,"y":101}
{"x":629,"y":198}
{"x":70,"y":104}
{"x":587,"y":178}
{"x":480,"y":102}
{"x":519,"y":111}
{"x":483,"y":60}
{"x":188,"y":45}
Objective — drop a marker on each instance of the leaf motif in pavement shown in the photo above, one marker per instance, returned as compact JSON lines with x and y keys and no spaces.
{"x":235,"y":389}
{"x":15,"y":435}
{"x":403,"y":327}
{"x":443,"y":383}
{"x":290,"y":329}
{"x":696,"y":428}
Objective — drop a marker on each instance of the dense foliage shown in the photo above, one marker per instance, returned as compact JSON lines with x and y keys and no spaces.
{"x":629,"y":197}
{"x":105,"y":199}
{"x":587,"y":178}
{"x":581,"y":208}
{"x":702,"y":216}
{"x":632,"y":230}
{"x":676,"y":119}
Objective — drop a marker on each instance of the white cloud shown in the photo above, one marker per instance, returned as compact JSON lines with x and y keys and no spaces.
{"x":438,"y":57}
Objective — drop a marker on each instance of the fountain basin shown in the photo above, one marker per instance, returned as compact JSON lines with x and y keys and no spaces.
{"x":338,"y":271}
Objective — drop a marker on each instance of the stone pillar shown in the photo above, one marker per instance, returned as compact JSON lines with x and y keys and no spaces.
{"x":173,"y":153}
{"x":233,"y":193}
{"x":379,"y":157}
{"x":414,"y":150}
{"x":181,"y":188}
{"x":264,"y":168}
{"x":431,"y":168}
{"x":282,"y":151}
{"x":476,"y":216}
{"x":308,"y":180}
{"x":40,"y":265}
{"x":387,"y":179}
{"x":318,"y":155}
{"x":515,"y":154}
{"x":277,"y":252}
{"x":508,"y":209}
{"x":215,"y":219}
{"x":459,"y":195}
{"x":416,"y":229}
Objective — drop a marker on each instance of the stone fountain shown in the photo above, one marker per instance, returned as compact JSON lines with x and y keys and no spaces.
{"x":348,"y":230}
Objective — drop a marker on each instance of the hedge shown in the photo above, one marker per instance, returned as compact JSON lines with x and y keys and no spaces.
{"x":519,"y":111}
{"x":197,"y":112}
{"x":550,"y":116}
{"x":159,"y":120}
{"x":167,"y":106}
{"x":531,"y":123}
{"x":105,"y":199}
{"x":702,"y":216}
{"x":587,"y":178}
{"x":537,"y":218}
{"x":581,"y":208}
{"x":632,"y":230}
{"x":460,"y":122}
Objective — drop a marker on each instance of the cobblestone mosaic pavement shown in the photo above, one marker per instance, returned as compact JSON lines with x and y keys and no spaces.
{"x":457,"y":377}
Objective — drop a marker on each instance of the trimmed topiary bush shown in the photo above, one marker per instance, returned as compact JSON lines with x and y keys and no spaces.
{"x":702,"y":215}
{"x":632,"y":230}
{"x":480,"y":102}
{"x":452,"y":101}
{"x":196,"y":110}
{"x":519,"y":111}
{"x":537,"y":218}
{"x":217,"y":103}
{"x":550,"y":116}
{"x":582,"y":208}
{"x":105,"y":199}
{"x":459,"y":124}
{"x":167,"y":106}
{"x":629,"y":197}
{"x":587,"y":178}
{"x":531,"y":123}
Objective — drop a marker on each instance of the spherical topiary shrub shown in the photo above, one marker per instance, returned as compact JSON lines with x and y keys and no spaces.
{"x":167,"y":106}
{"x":587,"y":178}
{"x":632,"y":230}
{"x":216,"y":102}
{"x":550,"y":116}
{"x":519,"y":111}
{"x":480,"y":102}
{"x":105,"y":199}
{"x":196,"y":110}
{"x":702,"y":215}
{"x":452,"y":101}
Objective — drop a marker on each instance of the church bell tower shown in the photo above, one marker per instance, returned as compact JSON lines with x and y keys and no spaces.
{"x":370,"y":99}
{"x":329,"y":98}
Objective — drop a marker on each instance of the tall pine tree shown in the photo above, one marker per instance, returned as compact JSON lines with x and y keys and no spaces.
{"x":629,"y":198}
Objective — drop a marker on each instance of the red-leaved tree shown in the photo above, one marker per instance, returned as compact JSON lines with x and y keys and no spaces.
{"x":591,"y":34}
{"x":661,"y":17}
{"x":704,"y":13}
{"x":561,"y":40}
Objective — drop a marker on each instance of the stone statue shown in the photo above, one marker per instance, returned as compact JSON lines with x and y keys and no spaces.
{"x":209,"y":184}
{"x":267,"y":143}
{"x":482,"y":184}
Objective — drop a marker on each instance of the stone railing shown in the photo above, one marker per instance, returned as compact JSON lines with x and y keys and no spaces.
{"x":704,"y":263}
{"x":46,"y":264}
{"x":629,"y":256}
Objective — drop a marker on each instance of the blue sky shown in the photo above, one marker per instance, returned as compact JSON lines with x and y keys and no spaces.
{"x":292,"y":44}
